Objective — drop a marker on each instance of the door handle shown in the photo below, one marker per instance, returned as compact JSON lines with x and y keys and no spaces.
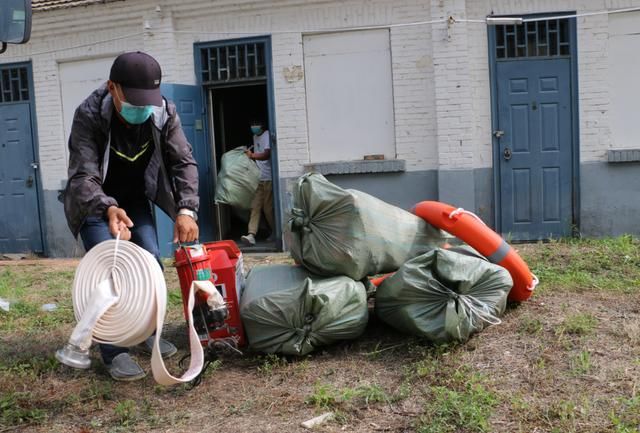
{"x":506,"y":153}
{"x":498,"y":133}
{"x":29,"y":182}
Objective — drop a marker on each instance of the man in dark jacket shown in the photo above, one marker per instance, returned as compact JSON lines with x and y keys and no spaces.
{"x":126,"y":150}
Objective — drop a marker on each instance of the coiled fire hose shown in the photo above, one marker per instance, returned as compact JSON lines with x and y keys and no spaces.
{"x":120,"y":298}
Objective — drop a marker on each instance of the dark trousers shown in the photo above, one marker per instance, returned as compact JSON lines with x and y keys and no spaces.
{"x":143,"y":233}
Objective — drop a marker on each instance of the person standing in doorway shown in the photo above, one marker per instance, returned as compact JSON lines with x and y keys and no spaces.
{"x":263,"y":199}
{"x":126,"y":150}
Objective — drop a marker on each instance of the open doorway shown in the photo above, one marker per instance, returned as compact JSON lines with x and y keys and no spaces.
{"x":233,"y":109}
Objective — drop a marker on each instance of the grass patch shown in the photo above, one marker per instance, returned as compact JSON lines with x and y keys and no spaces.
{"x":531,"y":326}
{"x":326,"y":396}
{"x":15,"y":410}
{"x":373,"y":393}
{"x":27,"y":288}
{"x":611,"y":264}
{"x":458,"y":408}
{"x":427,"y":367}
{"x":577,"y":324}
{"x":32,"y":367}
{"x":97,"y":393}
{"x":126,"y":412}
{"x":271,"y":363}
{"x":562,"y":414}
{"x":626,"y":417}
{"x":581,"y":363}
{"x":59,"y":282}
{"x":29,"y":318}
{"x":14,"y":284}
{"x":557,"y":415}
{"x":174,"y":298}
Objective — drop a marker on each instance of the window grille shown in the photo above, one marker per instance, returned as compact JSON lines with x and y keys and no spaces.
{"x":14,"y":84}
{"x":548,"y":38}
{"x":233,"y":63}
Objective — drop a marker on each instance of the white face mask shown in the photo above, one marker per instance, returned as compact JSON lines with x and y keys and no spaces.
{"x":159,"y":115}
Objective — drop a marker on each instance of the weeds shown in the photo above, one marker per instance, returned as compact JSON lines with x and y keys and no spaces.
{"x":611,"y":264}
{"x":530,"y":326}
{"x":402,"y":393}
{"x":31,"y":367}
{"x":371,"y":394}
{"x":97,"y":392}
{"x":126,"y":412}
{"x":246,"y":406}
{"x":627,"y":418}
{"x":581,"y":364}
{"x":561,"y":416}
{"x":577,"y":324}
{"x":14,"y":285}
{"x":323,"y":397}
{"x":302,"y":367}
{"x":14,"y":410}
{"x":270,"y":363}
{"x":174,"y":298}
{"x":426,"y":367}
{"x":327,"y":397}
{"x":450,"y":410}
{"x":213,"y":367}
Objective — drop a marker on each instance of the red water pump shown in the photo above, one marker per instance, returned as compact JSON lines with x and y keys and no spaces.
{"x":221,"y":263}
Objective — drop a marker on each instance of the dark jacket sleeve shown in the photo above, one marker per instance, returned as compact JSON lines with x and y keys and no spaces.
{"x":84,"y":195}
{"x":181,"y":166}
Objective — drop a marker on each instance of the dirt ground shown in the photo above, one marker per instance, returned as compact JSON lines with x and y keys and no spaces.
{"x":568,"y":360}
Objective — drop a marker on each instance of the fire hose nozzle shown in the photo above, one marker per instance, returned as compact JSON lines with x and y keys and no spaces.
{"x":219,"y":314}
{"x":73,"y":356}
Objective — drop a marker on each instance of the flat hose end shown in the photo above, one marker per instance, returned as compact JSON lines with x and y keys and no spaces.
{"x":72,"y":356}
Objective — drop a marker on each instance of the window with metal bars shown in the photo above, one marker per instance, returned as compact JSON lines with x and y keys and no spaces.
{"x":548,"y":38}
{"x":232,"y":63}
{"x":14,"y":84}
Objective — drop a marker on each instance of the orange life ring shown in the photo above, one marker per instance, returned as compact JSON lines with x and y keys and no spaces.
{"x":471,"y":229}
{"x":378,"y":280}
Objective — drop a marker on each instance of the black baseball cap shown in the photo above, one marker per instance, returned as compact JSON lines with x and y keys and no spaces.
{"x":139,"y":75}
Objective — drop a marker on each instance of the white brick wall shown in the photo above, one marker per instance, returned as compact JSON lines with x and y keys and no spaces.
{"x":594,"y":100}
{"x":453,"y":87}
{"x":56,"y":31}
{"x":480,"y":89}
{"x":410,"y":53}
{"x":440,"y":78}
{"x":595,"y":132}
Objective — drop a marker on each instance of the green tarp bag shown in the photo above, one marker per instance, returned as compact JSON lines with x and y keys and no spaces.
{"x":237,"y":180}
{"x":333,"y":231}
{"x":444,"y":295}
{"x":287,"y":310}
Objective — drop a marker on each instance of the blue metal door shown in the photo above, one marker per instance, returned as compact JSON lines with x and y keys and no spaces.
{"x":20,"y":229}
{"x":535,"y":148}
{"x":188,"y":100}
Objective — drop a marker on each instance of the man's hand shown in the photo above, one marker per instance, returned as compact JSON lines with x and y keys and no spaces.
{"x":119,"y":222}
{"x":185,"y":229}
{"x":249,"y":154}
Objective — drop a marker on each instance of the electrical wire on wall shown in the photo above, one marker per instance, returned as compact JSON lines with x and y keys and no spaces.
{"x":449,"y":21}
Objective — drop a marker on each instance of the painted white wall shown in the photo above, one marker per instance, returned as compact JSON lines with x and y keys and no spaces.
{"x":412,"y":66}
{"x":349,"y":95}
{"x":440,"y":96}
{"x":77,"y":80}
{"x":624,"y":79}
{"x":70,"y":35}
